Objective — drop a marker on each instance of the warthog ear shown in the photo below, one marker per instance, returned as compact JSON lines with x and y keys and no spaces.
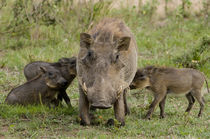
{"x":63,"y":60}
{"x":85,"y":40}
{"x":43,"y":69}
{"x":123,"y":43}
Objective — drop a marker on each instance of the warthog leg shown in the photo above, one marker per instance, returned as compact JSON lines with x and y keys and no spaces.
{"x":162,"y":107}
{"x":63,"y":95}
{"x":197,"y":94}
{"x":191,"y":101}
{"x":158,"y":97}
{"x":83,"y":108}
{"x":127,"y":110}
{"x":119,"y":109}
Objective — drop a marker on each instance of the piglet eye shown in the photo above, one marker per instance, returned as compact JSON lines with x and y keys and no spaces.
{"x":73,"y":63}
{"x":117,"y":57}
{"x":51,"y":75}
{"x":142,"y":77}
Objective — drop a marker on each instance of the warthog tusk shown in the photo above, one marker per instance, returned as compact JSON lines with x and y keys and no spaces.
{"x":85,"y":88}
{"x":119,"y":92}
{"x":50,"y":85}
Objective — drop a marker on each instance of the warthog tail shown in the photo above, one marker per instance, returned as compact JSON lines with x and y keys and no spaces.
{"x":206,"y":83}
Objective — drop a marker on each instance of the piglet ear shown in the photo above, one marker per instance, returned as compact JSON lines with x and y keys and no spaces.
{"x":149,"y":70}
{"x":123,"y":43}
{"x":85,"y":40}
{"x":43,"y":69}
{"x":73,"y":60}
{"x":63,"y":60}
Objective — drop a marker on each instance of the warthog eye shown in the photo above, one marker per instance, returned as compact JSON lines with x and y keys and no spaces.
{"x":89,"y":57}
{"x":89,"y":54}
{"x":115,"y":58}
{"x":51,"y":75}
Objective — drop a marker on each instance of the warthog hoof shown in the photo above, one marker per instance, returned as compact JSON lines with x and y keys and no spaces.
{"x":83,"y":123}
{"x":92,"y":108}
{"x":110,"y":122}
{"x":127,"y":112}
{"x":162,"y":116}
{"x":147,"y":118}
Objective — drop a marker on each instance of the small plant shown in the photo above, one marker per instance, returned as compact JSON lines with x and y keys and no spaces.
{"x":206,"y":11}
{"x":149,"y":8}
{"x":182,"y":9}
{"x":166,"y":7}
{"x":193,"y":59}
{"x":2,"y":3}
{"x":185,"y":4}
{"x":92,"y":11}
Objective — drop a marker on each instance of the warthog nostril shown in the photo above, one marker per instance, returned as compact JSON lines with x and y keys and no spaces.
{"x":132,"y":85}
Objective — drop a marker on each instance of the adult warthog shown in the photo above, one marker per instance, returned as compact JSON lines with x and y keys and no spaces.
{"x":106,"y":65}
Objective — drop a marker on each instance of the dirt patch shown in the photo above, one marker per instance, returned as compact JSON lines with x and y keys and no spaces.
{"x":2,"y":53}
{"x":3,"y":130}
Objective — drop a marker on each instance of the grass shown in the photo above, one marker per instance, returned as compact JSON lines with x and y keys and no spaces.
{"x":39,"y":121}
{"x":157,"y":45}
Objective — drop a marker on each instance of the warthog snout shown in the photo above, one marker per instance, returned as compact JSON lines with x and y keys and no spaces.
{"x":101,"y":105}
{"x":100,"y":96}
{"x":62,"y":82}
{"x":132,"y":86}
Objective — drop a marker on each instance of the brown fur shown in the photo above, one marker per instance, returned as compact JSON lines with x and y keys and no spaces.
{"x":106,"y":65}
{"x":40,"y":89}
{"x":67,"y":68}
{"x":109,"y":30}
{"x":163,"y":80}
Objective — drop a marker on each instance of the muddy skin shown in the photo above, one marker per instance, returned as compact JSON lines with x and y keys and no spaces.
{"x":40,"y":90}
{"x":67,"y":68}
{"x":163,"y":81}
{"x":106,"y":65}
